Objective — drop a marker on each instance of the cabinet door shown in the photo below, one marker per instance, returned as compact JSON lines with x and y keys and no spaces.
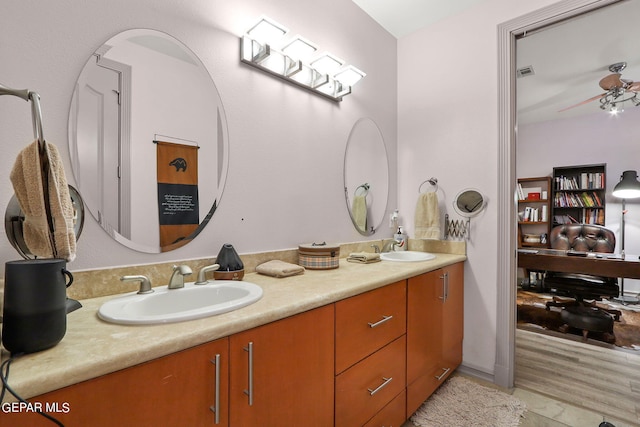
{"x":453,"y":323}
{"x":434,"y":331}
{"x":424,"y":336}
{"x":176,"y":390}
{"x":281,"y":374}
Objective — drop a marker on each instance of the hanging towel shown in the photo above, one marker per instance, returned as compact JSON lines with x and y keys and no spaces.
{"x":427,"y":217}
{"x":29,"y":187}
{"x":359,"y":212}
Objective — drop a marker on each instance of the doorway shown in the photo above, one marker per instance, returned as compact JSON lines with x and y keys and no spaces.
{"x":507,"y":34}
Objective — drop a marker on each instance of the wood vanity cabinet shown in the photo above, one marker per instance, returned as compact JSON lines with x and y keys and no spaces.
{"x":370,"y":357}
{"x":282,"y":373}
{"x":175,"y":390}
{"x":370,"y":360}
{"x":434,"y":331}
{"x":293,"y":383}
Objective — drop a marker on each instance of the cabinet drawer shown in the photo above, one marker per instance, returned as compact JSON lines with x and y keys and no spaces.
{"x":364,"y":389}
{"x":392,"y":415}
{"x":366,"y":322}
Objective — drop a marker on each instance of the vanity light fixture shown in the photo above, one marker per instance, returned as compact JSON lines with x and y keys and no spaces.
{"x":265,"y":47}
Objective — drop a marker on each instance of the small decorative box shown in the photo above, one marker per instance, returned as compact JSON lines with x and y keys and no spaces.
{"x":533,"y":196}
{"x":319,"y":256}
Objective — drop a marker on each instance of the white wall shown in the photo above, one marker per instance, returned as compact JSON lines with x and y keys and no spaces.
{"x":596,"y":138}
{"x":285,"y":181}
{"x":447,"y":128}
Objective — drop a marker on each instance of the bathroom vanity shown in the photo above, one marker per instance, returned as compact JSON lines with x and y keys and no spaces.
{"x":364,"y":344}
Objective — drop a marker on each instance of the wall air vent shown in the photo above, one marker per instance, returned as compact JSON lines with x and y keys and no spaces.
{"x":525,"y":71}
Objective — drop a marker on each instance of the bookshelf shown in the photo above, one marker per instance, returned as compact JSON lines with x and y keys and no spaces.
{"x":534,"y":212}
{"x":579,"y":194}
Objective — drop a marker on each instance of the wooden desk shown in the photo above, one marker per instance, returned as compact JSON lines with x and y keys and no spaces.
{"x":555,"y":260}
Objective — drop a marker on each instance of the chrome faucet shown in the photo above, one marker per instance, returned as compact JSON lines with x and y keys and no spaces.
{"x":376,"y":248}
{"x":177,"y":278}
{"x":203,"y":271}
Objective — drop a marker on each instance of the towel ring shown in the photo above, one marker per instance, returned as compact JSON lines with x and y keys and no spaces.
{"x":36,"y":111}
{"x":433,"y":182}
{"x":365,"y":190}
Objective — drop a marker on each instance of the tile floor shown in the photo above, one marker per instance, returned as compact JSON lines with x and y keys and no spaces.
{"x":543,"y":411}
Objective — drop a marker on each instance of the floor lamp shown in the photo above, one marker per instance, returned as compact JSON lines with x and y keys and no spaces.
{"x":627,"y":188}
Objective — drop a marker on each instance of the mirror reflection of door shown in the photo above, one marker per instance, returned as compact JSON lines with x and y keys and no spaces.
{"x":98,"y":100}
{"x":165,"y":93}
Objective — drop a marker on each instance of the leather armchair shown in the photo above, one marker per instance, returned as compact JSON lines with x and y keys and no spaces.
{"x":581,"y":238}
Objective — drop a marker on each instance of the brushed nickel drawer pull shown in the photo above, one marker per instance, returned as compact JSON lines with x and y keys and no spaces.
{"x":446,"y":371}
{"x":216,"y":406}
{"x":380,"y":322}
{"x":380,"y":387}
{"x":249,"y":392}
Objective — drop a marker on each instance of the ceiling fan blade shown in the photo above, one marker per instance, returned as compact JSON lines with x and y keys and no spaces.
{"x":611,"y":81}
{"x":586,"y":101}
{"x":633,"y":87}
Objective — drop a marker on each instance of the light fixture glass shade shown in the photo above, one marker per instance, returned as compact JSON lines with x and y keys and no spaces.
{"x":628,"y":187}
{"x":349,"y":75}
{"x":327,"y":64}
{"x":262,"y":47}
{"x":299,"y":49}
{"x":267,"y":31}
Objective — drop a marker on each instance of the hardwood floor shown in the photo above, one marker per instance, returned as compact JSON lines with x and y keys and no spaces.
{"x":601,"y":379}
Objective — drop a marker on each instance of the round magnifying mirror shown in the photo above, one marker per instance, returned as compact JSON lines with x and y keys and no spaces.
{"x":148,"y":140}
{"x":14,"y":220}
{"x":469,"y":202}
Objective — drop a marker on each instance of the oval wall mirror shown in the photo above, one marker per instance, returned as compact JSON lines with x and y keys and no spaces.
{"x":148,"y":140}
{"x":469,"y":203}
{"x":366,"y":176}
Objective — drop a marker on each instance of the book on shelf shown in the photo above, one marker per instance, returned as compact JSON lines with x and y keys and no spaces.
{"x":577,"y":200}
{"x":585,"y":181}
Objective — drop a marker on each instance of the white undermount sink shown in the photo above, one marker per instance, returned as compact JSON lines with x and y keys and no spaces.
{"x":406,"y":256}
{"x":175,"y":305}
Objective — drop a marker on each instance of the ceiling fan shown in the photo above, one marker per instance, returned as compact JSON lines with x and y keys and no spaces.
{"x":616,"y":89}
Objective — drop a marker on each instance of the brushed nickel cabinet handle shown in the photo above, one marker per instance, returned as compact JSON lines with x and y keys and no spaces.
{"x":216,"y":406}
{"x":446,"y":371}
{"x":445,"y":287}
{"x":249,"y":392}
{"x":380,"y":322}
{"x":380,"y":387}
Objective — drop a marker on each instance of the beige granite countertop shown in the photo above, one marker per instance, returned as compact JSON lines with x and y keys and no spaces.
{"x":92,"y":347}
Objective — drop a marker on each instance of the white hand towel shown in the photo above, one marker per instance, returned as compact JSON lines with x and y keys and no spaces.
{"x":427,"y":217}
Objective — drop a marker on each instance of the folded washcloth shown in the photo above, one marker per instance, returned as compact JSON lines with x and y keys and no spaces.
{"x":363,"y":257}
{"x":427,"y":217}
{"x":359,"y":212}
{"x":277,"y":268}
{"x":30,"y":187}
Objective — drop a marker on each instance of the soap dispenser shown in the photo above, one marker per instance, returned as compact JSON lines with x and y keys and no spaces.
{"x":401,"y":238}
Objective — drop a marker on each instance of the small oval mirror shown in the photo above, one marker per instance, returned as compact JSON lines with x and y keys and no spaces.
{"x":366,"y":176}
{"x":469,"y":202}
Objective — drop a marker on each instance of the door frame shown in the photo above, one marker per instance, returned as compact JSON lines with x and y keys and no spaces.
{"x":507,"y":210}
